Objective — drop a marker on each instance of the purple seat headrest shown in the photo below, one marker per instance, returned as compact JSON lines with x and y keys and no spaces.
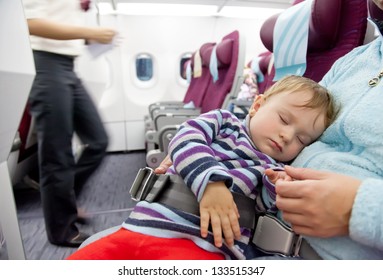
{"x":264,"y":61}
{"x":224,"y":52}
{"x":186,"y":65}
{"x":375,"y":11}
{"x":267,"y":32}
{"x":323,"y":28}
{"x":205,"y":52}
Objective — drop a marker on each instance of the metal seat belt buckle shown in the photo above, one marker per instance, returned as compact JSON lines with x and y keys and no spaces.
{"x":141,"y":184}
{"x":273,"y":237}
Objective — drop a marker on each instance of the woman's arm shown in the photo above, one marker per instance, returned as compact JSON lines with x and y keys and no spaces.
{"x":52,"y":30}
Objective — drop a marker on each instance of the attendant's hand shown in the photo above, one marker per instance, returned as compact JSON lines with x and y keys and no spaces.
{"x":164,"y":166}
{"x":317,"y":203}
{"x":217,"y":207}
{"x":101,"y":35}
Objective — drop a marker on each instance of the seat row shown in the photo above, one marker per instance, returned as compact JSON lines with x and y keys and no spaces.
{"x":215,"y":72}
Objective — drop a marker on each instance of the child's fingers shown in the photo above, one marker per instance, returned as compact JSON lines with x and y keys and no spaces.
{"x":234,"y":222}
{"x":230,"y":225}
{"x":227,"y":230}
{"x":205,"y":219}
{"x":273,"y":176}
{"x":215,"y":221}
{"x":216,"y":228}
{"x":236,"y":210}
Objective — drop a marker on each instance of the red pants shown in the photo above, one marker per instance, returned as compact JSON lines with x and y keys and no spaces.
{"x":127,"y":245}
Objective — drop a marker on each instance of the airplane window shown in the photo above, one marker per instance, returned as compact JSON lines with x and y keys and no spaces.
{"x":144,"y":67}
{"x":183,"y":60}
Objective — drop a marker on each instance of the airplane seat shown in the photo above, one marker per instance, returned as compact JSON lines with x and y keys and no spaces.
{"x":226,"y":65}
{"x":165,"y":122}
{"x":374,"y":11}
{"x":195,"y":92}
{"x":170,"y":116}
{"x":199,"y":81}
{"x":225,"y":62}
{"x":24,"y":132}
{"x":252,"y":85}
{"x":264,"y":62}
{"x":198,"y":84}
{"x":22,"y":160}
{"x":335,"y":28}
{"x":19,"y":148}
{"x":375,"y":15}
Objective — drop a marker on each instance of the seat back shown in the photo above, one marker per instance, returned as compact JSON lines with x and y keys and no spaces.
{"x":335,"y":28}
{"x":265,"y":59}
{"x":198,"y":84}
{"x":374,"y":11}
{"x":230,"y":61}
{"x":28,"y":146}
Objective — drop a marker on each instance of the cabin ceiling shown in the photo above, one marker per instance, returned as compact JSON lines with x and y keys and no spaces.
{"x":279,"y":4}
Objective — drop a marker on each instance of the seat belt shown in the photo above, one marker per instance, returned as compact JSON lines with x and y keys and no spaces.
{"x":270,"y":234}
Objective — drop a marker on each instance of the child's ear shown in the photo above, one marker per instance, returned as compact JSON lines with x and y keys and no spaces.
{"x":258,"y":101}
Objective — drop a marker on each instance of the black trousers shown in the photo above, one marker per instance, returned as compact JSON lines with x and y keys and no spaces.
{"x":61,"y":106}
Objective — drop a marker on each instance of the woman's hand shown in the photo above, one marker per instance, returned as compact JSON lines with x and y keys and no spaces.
{"x":317,"y":203}
{"x":217,"y":207}
{"x":101,"y":35}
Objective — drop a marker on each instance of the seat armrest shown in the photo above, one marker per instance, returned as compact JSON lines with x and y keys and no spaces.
{"x":164,"y":119}
{"x":175,"y":110}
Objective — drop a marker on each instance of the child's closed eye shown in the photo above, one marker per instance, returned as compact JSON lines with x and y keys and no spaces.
{"x":283,"y":119}
{"x":301,"y":141}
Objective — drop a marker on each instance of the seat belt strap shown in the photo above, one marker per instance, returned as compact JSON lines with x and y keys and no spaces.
{"x":172,"y":191}
{"x":308,"y":252}
{"x":270,"y":234}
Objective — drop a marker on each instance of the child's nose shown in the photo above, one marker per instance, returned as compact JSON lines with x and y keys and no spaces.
{"x":286,"y":134}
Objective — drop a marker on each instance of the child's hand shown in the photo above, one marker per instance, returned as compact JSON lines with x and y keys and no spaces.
{"x":164,"y":165}
{"x":275,"y":175}
{"x":217,"y":206}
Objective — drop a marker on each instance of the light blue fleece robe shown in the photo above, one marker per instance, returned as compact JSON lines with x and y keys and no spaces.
{"x":353,"y":145}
